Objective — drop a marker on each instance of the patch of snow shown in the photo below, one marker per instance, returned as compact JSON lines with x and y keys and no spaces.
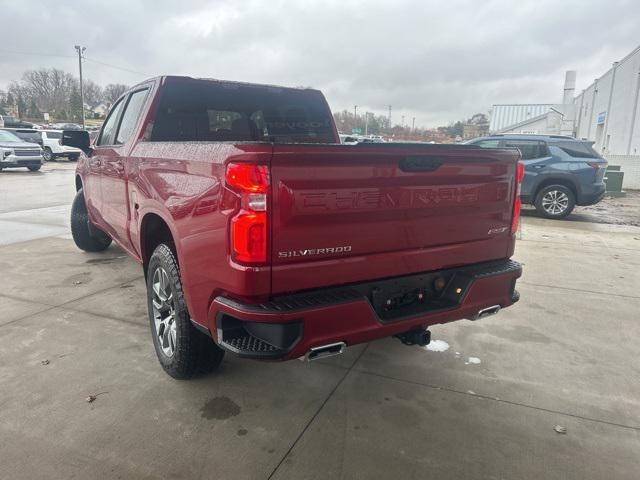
{"x":437,"y":346}
{"x":473,"y":360}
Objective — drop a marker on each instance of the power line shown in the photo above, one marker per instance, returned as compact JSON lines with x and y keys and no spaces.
{"x":116,"y":67}
{"x":36,"y":54}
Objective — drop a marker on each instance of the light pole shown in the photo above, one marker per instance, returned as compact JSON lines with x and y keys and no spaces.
{"x":355,"y":116}
{"x":389,"y":115}
{"x":80,"y":51}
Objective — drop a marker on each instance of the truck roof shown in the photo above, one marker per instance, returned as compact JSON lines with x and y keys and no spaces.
{"x":164,"y":78}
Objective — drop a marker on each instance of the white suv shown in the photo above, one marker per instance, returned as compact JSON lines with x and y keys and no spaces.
{"x":52,"y":149}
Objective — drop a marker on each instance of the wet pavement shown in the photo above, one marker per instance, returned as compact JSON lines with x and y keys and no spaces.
{"x":547,"y":389}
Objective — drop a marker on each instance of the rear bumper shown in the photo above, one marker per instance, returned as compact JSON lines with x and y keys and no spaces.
{"x":592,"y":196}
{"x":289,"y":326}
{"x":66,"y":154}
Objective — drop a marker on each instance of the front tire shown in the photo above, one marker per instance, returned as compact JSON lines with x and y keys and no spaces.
{"x":182,"y":350}
{"x":555,"y":201}
{"x":89,"y":240}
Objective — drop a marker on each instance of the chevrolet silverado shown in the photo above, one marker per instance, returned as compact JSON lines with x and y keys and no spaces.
{"x":260,"y":234}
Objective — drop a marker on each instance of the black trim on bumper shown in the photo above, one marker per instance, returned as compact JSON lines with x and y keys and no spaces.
{"x":258,"y":339}
{"x":21,"y":164}
{"x":448,"y":298}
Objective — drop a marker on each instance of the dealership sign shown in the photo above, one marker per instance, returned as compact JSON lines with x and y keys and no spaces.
{"x":601,"y":118}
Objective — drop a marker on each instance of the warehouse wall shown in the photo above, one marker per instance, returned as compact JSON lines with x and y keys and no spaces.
{"x":608,"y":111}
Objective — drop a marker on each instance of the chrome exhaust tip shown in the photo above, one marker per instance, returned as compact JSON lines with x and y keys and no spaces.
{"x":487,"y":312}
{"x":324,"y":351}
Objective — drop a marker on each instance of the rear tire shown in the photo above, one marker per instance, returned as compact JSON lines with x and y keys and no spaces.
{"x":89,"y":240}
{"x":182,"y":350}
{"x":47,"y":154}
{"x":555,"y":201}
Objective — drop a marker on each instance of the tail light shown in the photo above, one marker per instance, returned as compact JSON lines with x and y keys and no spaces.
{"x":517,"y":203}
{"x":597,"y":165}
{"x":249,"y":231}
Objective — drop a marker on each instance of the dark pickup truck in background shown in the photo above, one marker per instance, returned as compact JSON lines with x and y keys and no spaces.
{"x":261,"y":235}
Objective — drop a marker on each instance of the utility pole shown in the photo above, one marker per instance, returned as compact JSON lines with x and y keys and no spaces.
{"x":413,"y":123}
{"x":366,"y":123}
{"x":389,"y":114}
{"x":80,"y":51}
{"x":355,"y":116}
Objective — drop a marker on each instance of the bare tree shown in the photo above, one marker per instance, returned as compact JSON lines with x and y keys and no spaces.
{"x":49,"y":88}
{"x":93,"y":93}
{"x":113,"y":91}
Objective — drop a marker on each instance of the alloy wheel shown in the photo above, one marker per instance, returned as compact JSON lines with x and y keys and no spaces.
{"x":164,"y":313}
{"x":555,"y":202}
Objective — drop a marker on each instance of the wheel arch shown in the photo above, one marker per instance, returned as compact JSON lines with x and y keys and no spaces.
{"x":565,"y":182}
{"x":154,"y":230}
{"x":78,"y":183}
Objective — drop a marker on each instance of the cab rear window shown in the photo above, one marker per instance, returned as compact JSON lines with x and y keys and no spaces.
{"x":200,"y":110}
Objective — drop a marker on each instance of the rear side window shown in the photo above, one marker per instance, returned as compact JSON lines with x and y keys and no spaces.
{"x":54,"y":135}
{"x":529,"y":149}
{"x":578,"y":149}
{"x":201,"y":110}
{"x":131,"y":115}
{"x":488,"y":143}
{"x":108,"y":133}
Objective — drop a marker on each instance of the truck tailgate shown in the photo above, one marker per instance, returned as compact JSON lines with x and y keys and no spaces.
{"x":344,"y":214}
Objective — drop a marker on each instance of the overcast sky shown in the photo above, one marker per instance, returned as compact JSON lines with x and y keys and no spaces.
{"x":438,"y":61}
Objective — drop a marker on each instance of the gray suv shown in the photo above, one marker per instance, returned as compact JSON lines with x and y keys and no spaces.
{"x":15,"y":152}
{"x":560,"y":172}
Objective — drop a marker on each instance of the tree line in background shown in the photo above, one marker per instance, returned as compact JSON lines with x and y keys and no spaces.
{"x":372,"y":124}
{"x":56,"y":92}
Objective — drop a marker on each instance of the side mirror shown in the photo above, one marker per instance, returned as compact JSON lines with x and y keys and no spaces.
{"x":78,"y":139}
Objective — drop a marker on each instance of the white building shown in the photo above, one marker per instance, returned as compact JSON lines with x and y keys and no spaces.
{"x":537,"y":118}
{"x":608,"y":109}
{"x":607,"y":112}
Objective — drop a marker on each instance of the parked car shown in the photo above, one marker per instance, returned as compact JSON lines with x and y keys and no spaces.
{"x":560,"y":171}
{"x":7,"y":121}
{"x":52,"y":148}
{"x":348,"y":139}
{"x":15,"y":153}
{"x":261,"y":235}
{"x":26,"y":134}
{"x":65,"y":126}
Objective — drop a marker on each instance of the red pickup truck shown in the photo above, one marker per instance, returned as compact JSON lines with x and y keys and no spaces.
{"x":261,"y":235}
